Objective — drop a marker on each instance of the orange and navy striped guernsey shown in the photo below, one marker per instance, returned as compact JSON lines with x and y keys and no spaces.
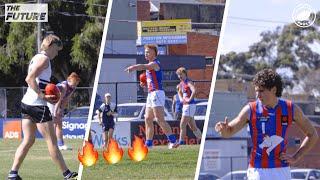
{"x":268,"y":128}
{"x":154,"y":78}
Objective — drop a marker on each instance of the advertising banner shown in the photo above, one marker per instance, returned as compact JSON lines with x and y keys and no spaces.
{"x":163,"y":32}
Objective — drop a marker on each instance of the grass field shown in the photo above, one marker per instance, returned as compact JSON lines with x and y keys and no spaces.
{"x":37,"y":164}
{"x":161,"y":163}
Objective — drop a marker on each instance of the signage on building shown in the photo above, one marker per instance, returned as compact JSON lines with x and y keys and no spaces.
{"x":163,"y":31}
{"x":12,"y":129}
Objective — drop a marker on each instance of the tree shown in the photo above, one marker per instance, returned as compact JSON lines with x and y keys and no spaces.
{"x":68,"y":20}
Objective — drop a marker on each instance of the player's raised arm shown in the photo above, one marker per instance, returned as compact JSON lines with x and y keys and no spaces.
{"x":141,"y":67}
{"x":228,"y":129}
{"x":309,"y":141}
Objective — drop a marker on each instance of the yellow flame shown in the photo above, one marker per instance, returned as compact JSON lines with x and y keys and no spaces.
{"x":139,"y":151}
{"x":89,"y":155}
{"x":113,"y":154}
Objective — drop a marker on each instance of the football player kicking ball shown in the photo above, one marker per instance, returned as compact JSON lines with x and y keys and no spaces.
{"x":269,"y":118}
{"x":35,"y":112}
{"x":156,"y":97}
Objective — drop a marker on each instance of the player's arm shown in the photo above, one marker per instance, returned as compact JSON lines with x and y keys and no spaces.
{"x":309,"y":141}
{"x":59,"y":105}
{"x":180,"y":93}
{"x":226,"y":129}
{"x":193,"y":90}
{"x":140,"y":67}
{"x":173,"y":104}
{"x":41,"y":63}
{"x":99,"y":113}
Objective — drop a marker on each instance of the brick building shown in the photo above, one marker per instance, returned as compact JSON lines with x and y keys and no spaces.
{"x":206,"y":17}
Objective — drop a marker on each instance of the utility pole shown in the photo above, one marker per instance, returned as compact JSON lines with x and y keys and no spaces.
{"x":39,"y":32}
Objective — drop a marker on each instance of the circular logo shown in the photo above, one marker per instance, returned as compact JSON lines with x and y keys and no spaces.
{"x":303,"y":15}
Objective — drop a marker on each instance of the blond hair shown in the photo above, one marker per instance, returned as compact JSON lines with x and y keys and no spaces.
{"x":181,"y":70}
{"x":154,"y":47}
{"x":48,"y":40}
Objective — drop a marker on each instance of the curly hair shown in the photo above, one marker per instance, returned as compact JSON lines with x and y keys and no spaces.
{"x":267,"y":78}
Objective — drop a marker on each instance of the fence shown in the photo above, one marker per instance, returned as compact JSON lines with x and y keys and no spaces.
{"x":124,"y":92}
{"x":10,"y":100}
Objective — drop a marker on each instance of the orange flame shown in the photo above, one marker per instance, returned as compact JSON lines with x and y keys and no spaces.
{"x":113,"y":154}
{"x":89,"y":155}
{"x":139,"y":151}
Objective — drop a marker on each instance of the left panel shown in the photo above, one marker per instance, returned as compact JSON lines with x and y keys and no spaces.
{"x":42,"y":126}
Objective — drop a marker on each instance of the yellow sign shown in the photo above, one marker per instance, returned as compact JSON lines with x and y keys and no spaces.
{"x":164,"y":27}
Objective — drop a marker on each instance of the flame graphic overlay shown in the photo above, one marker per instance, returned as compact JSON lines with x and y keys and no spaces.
{"x":113,"y":154}
{"x":89,"y":155}
{"x":139,"y":151}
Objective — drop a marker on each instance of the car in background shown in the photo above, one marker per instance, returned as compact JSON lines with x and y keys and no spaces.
{"x":235,"y":175}
{"x":79,"y":112}
{"x":201,"y":109}
{"x":306,"y":174}
{"x":207,"y":176}
{"x":135,"y":112}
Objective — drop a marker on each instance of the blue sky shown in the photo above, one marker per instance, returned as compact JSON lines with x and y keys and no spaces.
{"x":240,"y":34}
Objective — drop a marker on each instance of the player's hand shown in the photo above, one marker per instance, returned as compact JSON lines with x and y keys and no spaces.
{"x":288,"y":158}
{"x":53,"y":99}
{"x":100,"y":123}
{"x":129,"y":69}
{"x":186,"y":100}
{"x":222,"y":127}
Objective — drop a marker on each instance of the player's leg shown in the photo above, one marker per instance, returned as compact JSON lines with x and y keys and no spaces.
{"x":29,"y":130}
{"x":149,"y":117}
{"x":59,"y":133}
{"x":106,"y":139}
{"x":193,"y":126}
{"x":110,"y":133}
{"x":158,"y":101}
{"x":47,"y":131}
{"x":192,"y":123}
{"x":183,"y":129}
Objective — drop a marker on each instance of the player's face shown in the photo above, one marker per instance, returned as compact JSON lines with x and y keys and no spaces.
{"x":149,"y":54}
{"x":108,"y":99}
{"x":181,"y":76}
{"x":55,"y":49}
{"x":265,"y":95}
{"x":73,"y":83}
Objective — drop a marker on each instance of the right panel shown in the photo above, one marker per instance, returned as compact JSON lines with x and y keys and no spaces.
{"x":265,"y":113}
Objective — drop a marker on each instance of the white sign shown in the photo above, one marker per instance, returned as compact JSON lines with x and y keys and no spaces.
{"x":211,"y":159}
{"x":122,"y":134}
{"x":26,"y":12}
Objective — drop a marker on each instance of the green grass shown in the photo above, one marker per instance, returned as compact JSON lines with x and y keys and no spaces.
{"x":37,"y":164}
{"x":161,"y":163}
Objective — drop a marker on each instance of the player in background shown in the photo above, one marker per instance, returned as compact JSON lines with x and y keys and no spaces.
{"x":156,"y":97}
{"x":35,"y":112}
{"x":187,"y":93}
{"x":269,"y":118}
{"x":106,"y":119}
{"x":57,"y":110}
